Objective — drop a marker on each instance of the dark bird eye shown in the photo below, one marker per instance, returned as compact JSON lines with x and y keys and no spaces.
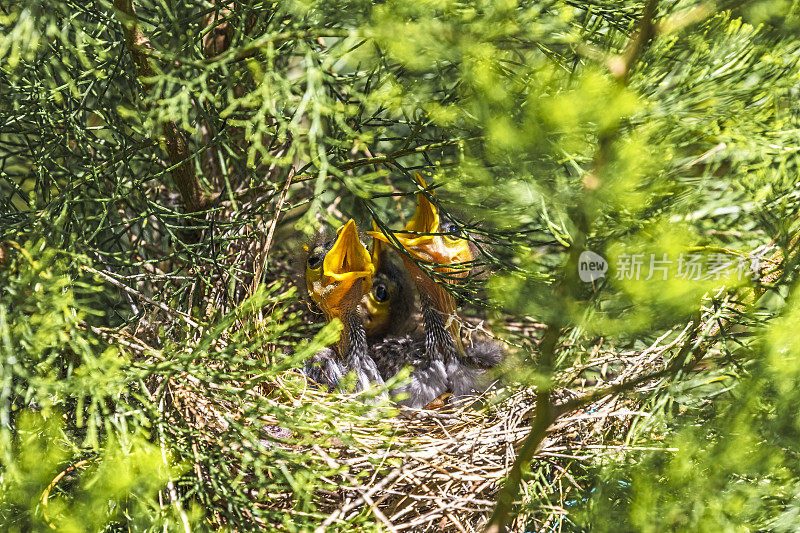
{"x":315,"y":261}
{"x":380,"y":293}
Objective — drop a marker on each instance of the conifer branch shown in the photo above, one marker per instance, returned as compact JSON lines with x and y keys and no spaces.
{"x":622,"y":66}
{"x":192,"y":194}
{"x":395,"y":155}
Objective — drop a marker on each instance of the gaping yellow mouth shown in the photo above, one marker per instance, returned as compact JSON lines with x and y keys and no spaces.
{"x":378,"y":246}
{"x":444,"y":250}
{"x":345,"y":263}
{"x":439,"y":249}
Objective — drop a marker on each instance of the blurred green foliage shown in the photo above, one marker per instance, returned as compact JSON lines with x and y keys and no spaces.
{"x":543,"y":142}
{"x":734,"y":467}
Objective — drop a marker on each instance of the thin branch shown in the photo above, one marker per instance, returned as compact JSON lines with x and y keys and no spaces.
{"x":172,"y":312}
{"x":545,"y":416}
{"x":275,"y":38}
{"x":391,"y":157}
{"x":192,"y":194}
{"x":622,"y":66}
{"x":261,"y":263}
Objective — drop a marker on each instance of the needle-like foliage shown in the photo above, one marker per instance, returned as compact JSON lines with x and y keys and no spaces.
{"x":626,"y":170}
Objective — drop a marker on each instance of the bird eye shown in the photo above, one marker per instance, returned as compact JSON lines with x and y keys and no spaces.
{"x":315,"y":261}
{"x":451,"y":229}
{"x":380,"y":293}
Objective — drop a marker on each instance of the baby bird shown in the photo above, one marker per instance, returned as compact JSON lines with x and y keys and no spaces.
{"x":387,"y":307}
{"x":337,"y":274}
{"x":430,"y":239}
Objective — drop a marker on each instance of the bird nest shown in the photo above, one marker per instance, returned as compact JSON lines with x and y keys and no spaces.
{"x":434,"y":469}
{"x":414,"y":470}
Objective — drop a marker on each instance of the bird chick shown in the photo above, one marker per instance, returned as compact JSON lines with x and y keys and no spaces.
{"x":337,"y":274}
{"x":387,"y":307}
{"x":429,"y":238}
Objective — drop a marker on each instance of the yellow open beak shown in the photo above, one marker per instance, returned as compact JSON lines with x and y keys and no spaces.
{"x":346,"y":263}
{"x":439,"y":249}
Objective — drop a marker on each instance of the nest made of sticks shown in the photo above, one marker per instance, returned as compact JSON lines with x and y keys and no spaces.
{"x":441,"y":469}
